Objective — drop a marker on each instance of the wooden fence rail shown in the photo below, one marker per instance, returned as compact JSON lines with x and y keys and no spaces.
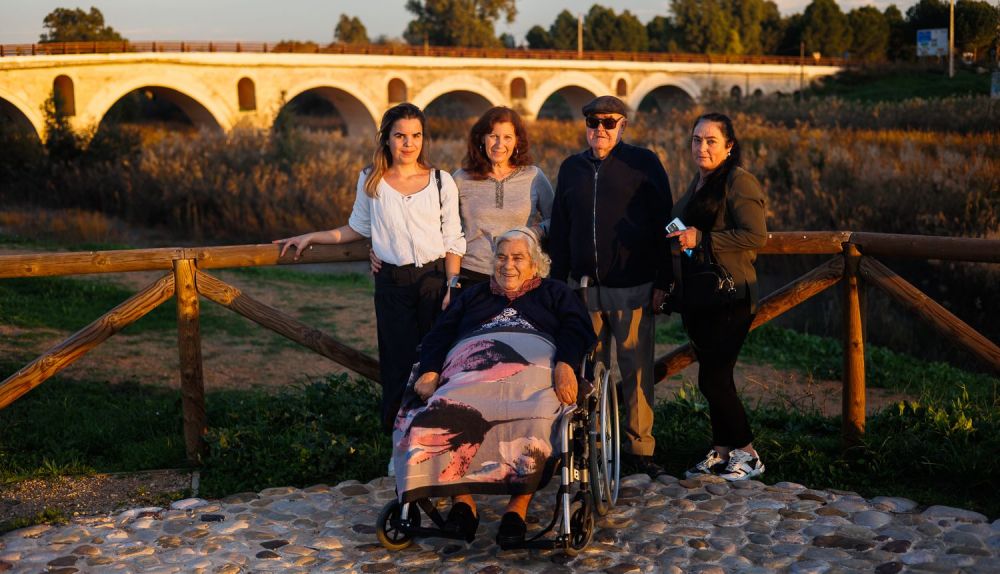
{"x":852,"y":265}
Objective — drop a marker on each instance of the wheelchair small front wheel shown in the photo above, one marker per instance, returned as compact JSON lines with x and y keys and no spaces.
{"x":582,"y":526}
{"x":388,"y":529}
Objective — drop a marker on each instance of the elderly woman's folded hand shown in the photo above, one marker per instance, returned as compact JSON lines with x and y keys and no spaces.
{"x":565,"y":383}
{"x":426,"y":385}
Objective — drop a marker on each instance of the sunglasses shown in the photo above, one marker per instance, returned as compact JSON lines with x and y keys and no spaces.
{"x":607,"y":123}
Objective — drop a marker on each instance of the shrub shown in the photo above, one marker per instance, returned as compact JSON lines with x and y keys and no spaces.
{"x":325,"y":431}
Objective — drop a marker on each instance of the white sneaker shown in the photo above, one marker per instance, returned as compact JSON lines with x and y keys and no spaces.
{"x":712,"y":464}
{"x":742,"y":466}
{"x":391,"y":472}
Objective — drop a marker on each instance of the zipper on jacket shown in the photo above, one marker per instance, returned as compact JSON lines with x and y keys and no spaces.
{"x":597,"y":169}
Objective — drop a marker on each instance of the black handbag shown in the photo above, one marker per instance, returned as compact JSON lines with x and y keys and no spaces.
{"x":700,"y":281}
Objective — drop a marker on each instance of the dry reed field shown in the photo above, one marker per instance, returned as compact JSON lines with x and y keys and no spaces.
{"x":922,"y":167}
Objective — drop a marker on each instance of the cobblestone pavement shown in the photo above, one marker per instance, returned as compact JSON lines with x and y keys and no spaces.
{"x":666,"y":525}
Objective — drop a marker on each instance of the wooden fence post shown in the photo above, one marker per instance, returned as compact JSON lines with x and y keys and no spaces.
{"x":853,"y":401}
{"x":189,"y":346}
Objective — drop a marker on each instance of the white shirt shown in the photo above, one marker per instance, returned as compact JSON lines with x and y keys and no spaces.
{"x":410,"y":229}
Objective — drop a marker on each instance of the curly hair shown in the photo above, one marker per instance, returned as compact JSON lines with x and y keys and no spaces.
{"x":476,"y":163}
{"x":540,"y":259}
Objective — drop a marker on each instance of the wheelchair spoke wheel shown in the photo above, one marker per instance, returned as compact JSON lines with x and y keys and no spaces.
{"x":388,"y":529}
{"x":605,"y":443}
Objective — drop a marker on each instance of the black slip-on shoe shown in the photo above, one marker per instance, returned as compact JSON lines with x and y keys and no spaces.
{"x":512,"y":531}
{"x":462,"y":522}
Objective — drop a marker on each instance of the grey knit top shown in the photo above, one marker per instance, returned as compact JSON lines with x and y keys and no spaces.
{"x":489,"y":207}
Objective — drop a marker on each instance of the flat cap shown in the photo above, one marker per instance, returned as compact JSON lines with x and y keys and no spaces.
{"x":605,"y":105}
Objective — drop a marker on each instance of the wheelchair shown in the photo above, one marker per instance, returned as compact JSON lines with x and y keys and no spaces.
{"x":589,"y":470}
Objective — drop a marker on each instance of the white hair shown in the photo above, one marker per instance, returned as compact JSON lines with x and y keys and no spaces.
{"x":538,"y":257}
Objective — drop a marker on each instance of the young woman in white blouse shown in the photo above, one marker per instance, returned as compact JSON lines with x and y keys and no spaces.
{"x":410,"y":212}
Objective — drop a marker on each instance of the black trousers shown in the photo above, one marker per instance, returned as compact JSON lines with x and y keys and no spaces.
{"x":407,"y":301}
{"x":717,"y":337}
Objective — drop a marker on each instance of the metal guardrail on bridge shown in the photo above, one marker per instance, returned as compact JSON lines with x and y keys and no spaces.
{"x":69,"y":48}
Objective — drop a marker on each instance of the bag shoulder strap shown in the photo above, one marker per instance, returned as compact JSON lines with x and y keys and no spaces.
{"x":437,"y":179}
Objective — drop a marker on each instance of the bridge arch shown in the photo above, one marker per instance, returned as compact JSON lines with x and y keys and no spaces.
{"x":655,"y":82}
{"x":203,"y":106}
{"x":359,"y":114}
{"x":576,"y":87}
{"x":21,"y":115}
{"x":461,"y":84}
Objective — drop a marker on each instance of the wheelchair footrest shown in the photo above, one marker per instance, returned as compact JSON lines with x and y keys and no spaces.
{"x":544,"y":544}
{"x":425,"y":532}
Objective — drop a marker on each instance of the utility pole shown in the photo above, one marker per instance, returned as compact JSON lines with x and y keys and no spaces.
{"x":951,"y":40}
{"x":579,"y":36}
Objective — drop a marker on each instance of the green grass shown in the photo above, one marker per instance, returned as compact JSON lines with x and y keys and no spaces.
{"x":71,"y":427}
{"x":325,"y":431}
{"x":69,"y":304}
{"x":895,"y":85}
{"x":822,"y":357}
{"x":306,"y":278}
{"x":962,"y":469}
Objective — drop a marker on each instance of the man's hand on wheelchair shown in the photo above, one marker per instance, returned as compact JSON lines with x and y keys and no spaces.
{"x":426,"y":385}
{"x":565,"y":383}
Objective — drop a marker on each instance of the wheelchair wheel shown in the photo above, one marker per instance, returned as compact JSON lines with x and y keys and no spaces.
{"x":605,"y":443}
{"x":581,"y":526}
{"x":389,"y":534}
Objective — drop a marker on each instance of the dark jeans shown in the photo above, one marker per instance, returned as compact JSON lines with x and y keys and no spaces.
{"x":470,"y":278}
{"x":407,"y":301}
{"x":717,"y":337}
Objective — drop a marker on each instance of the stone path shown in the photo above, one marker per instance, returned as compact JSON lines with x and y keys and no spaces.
{"x":666,"y":525}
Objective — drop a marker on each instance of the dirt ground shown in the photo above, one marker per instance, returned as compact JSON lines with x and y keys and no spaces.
{"x":248,"y":355}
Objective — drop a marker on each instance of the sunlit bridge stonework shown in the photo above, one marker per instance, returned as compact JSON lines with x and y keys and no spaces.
{"x":219,"y":90}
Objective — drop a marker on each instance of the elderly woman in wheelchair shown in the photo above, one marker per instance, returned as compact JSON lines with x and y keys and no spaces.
{"x":491,"y":403}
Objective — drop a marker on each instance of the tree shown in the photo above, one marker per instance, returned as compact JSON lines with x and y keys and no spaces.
{"x":748,"y":17}
{"x":561,"y":35}
{"x":663,"y":35}
{"x":825,"y":28}
{"x":350,"y":30}
{"x":75,"y":25}
{"x":772,"y":28}
{"x":457,"y":22}
{"x":869,"y":34}
{"x":563,"y":31}
{"x":508,"y":41}
{"x":975,"y":25}
{"x":297,"y":46}
{"x":901,"y":45}
{"x":704,"y":25}
{"x":538,"y":38}
{"x":603,"y":29}
{"x":926,"y":14}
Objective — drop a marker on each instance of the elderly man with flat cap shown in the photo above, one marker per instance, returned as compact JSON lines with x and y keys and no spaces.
{"x":611,"y":204}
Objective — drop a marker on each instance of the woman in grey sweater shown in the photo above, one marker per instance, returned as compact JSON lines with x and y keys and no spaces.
{"x":498,"y":189}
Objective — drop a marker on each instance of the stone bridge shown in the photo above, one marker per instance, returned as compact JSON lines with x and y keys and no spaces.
{"x":223,"y":90}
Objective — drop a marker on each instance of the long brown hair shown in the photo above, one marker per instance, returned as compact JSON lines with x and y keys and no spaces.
{"x":476,"y":163}
{"x":382,"y":157}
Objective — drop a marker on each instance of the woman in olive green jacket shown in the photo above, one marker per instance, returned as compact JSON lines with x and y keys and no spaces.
{"x":729,"y":202}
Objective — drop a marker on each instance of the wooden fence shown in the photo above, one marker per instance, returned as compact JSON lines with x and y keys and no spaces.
{"x":187,"y":277}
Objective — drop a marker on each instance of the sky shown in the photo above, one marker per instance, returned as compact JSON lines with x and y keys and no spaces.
{"x":270,"y":20}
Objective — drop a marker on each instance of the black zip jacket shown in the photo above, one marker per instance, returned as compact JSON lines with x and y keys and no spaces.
{"x":608,"y":218}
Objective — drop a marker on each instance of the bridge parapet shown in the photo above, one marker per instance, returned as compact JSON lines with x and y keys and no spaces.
{"x":65,"y":48}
